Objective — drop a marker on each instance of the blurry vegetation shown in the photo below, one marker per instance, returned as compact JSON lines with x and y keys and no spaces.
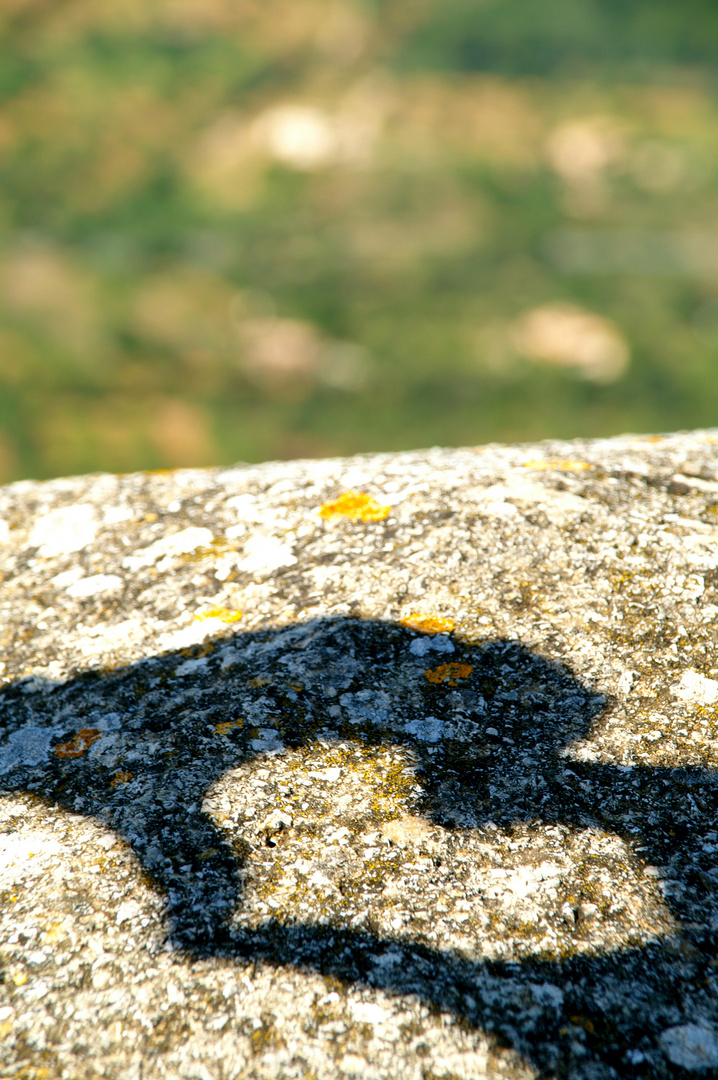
{"x":242,"y":229}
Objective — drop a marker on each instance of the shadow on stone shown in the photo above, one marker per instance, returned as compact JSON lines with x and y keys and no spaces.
{"x":488,"y":727}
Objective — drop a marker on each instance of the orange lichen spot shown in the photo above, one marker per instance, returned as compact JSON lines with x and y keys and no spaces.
{"x":427,"y":624}
{"x":120,"y":778}
{"x":584,"y":1022}
{"x":227,"y":726}
{"x":76,"y":746}
{"x":356,"y":506}
{"x":564,"y":466}
{"x":259,"y":681}
{"x":224,"y":614}
{"x":449,"y":673}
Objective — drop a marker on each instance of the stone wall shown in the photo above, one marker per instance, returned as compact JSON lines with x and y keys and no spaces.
{"x":396,"y":766}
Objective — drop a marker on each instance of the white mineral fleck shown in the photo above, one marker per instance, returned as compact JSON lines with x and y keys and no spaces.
{"x":497,"y":498}
{"x":407,"y":831}
{"x":266,"y":553}
{"x":28,"y":746}
{"x":111,"y":721}
{"x":626,"y":682}
{"x":27,"y":855}
{"x":438,"y":642}
{"x":194,"y":634}
{"x":37,"y":990}
{"x":427,"y":728}
{"x":331,"y":775}
{"x":67,"y":577}
{"x":365,"y":705}
{"x":319,"y":879}
{"x":514,"y":886}
{"x":64,"y":530}
{"x":114,"y":515}
{"x":225,"y":565}
{"x":97,"y":585}
{"x":696,"y":689}
{"x":267,"y":740}
{"x":691,"y":1046}
{"x":96,"y":642}
{"x":130,"y":909}
{"x":547,"y":994}
{"x":247,"y":507}
{"x":175,"y":993}
{"x":368,"y":1012}
{"x":278,"y":819}
{"x":352,"y":1065}
{"x":181,"y":543}
{"x":189,"y":667}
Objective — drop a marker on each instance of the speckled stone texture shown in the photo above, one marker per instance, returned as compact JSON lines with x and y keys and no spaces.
{"x":416,"y":785}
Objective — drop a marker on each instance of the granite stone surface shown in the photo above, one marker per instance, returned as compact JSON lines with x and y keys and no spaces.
{"x":398,"y":766}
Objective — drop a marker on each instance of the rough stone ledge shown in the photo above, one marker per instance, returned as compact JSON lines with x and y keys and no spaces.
{"x":415,"y":782}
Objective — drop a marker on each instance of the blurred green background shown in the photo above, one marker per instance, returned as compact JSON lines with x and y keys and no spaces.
{"x":245,"y":229}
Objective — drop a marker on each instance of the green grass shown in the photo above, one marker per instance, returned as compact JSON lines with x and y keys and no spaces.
{"x":175,"y":289}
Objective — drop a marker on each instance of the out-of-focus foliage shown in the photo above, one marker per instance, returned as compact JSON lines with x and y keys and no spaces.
{"x":239,"y":229}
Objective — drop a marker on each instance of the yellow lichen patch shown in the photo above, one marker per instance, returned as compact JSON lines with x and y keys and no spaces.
{"x":76,"y":746}
{"x":564,"y":466}
{"x":427,"y":624}
{"x":221,"y":613}
{"x":120,"y":778}
{"x":356,"y":506}
{"x":584,"y":1022}
{"x":406,"y":830}
{"x":227,"y":726}
{"x":449,"y":673}
{"x":259,"y":681}
{"x":209,"y":853}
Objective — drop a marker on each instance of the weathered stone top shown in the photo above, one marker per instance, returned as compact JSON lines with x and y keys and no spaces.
{"x":398,"y":766}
